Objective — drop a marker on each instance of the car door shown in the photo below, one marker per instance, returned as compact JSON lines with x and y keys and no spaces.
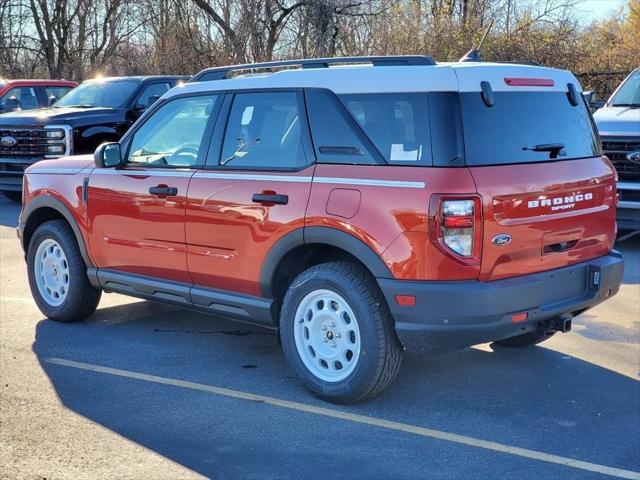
{"x":253,"y":190}
{"x":136,"y":213}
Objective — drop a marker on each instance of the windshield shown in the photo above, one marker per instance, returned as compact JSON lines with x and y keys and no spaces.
{"x":523,"y":127}
{"x":98,"y":93}
{"x":629,"y":93}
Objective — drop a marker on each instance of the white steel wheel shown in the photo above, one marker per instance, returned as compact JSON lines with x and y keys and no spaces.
{"x":327,"y":336}
{"x":51,"y":272}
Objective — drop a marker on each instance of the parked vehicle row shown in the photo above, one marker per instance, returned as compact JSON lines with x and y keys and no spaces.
{"x":97,"y":111}
{"x":99,"y":116}
{"x":395,"y":203}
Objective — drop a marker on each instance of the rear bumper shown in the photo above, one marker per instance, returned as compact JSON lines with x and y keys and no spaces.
{"x":458,"y":314}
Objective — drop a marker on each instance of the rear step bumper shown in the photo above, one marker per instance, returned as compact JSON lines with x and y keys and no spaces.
{"x":458,"y":314}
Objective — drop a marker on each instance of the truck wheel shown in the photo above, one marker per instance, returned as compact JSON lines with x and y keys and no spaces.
{"x":527,"y":339}
{"x":58,"y":275}
{"x":337,"y":333}
{"x":13,"y":195}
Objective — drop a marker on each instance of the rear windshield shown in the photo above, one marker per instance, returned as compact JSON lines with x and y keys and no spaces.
{"x":523,"y":127}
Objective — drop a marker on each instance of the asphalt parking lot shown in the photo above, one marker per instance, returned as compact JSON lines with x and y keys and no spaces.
{"x":143,"y":390}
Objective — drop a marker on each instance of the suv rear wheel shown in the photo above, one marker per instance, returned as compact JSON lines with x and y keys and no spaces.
{"x":337,"y":333}
{"x":58,"y":275}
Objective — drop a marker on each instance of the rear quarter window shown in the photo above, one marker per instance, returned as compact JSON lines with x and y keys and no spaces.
{"x":396,"y":123}
{"x":502,"y":134}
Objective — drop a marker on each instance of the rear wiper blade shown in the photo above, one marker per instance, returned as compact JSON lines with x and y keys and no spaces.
{"x":77,"y":106}
{"x":554,"y":148}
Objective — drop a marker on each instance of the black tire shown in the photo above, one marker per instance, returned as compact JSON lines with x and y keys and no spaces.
{"x":527,"y":339}
{"x":13,"y":195}
{"x":380,"y":353}
{"x":81,"y":298}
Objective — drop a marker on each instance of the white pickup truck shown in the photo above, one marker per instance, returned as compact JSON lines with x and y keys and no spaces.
{"x":619,"y":126}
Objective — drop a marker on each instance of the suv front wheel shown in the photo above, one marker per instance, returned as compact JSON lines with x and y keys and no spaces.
{"x":58,"y":274}
{"x":337,"y":333}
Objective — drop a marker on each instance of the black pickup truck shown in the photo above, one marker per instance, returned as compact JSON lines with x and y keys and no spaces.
{"x":99,"y":110}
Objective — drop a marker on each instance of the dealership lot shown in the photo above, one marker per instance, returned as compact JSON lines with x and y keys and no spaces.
{"x":143,"y":390}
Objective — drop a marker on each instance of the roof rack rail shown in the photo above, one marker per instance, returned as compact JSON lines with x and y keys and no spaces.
{"x":220,"y":73}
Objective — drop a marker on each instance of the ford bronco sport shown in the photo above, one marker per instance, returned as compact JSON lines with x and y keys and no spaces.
{"x":359,"y":206}
{"x":99,"y":110}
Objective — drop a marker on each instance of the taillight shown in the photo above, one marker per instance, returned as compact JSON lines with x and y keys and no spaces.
{"x":456,"y":226}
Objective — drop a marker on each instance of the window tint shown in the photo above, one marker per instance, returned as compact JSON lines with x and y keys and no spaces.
{"x":335,"y":138}
{"x":396,"y":123}
{"x":518,"y":120}
{"x":57,"y":92}
{"x":264,"y":131}
{"x":25,"y":97}
{"x":153,"y":90}
{"x":173,"y":135}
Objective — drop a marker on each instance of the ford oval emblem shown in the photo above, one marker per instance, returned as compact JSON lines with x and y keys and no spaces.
{"x":634,"y":157}
{"x":501,"y":239}
{"x":8,"y":141}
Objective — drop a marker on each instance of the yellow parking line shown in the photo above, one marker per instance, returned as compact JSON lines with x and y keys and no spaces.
{"x":351,"y":417}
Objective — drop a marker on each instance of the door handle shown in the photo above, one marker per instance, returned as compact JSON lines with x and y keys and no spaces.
{"x":163,"y":191}
{"x":270,"y":198}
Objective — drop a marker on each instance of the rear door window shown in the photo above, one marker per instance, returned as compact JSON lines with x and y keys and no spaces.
{"x":397,"y":124}
{"x":519,"y":123}
{"x":264,"y":131}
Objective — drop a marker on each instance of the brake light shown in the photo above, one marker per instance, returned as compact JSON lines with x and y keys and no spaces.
{"x":529,"y":82}
{"x":456,"y":226}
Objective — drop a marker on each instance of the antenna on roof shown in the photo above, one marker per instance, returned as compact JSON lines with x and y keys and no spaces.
{"x":473,"y":55}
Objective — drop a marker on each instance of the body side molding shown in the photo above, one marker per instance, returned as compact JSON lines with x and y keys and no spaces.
{"x":237,"y":306}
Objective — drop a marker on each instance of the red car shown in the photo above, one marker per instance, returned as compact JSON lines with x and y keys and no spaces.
{"x":358,"y":210}
{"x":31,"y":94}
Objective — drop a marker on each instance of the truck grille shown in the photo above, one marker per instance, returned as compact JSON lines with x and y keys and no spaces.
{"x":30,"y":142}
{"x":617,"y":150}
{"x":20,"y":147}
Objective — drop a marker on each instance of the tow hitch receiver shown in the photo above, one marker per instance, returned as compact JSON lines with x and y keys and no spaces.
{"x":561,"y":323}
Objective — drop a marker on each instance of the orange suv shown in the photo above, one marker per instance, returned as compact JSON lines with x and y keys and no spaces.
{"x":359,"y":206}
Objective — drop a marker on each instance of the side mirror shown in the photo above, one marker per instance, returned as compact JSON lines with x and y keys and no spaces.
{"x":592,"y":100}
{"x":52,"y":99}
{"x":108,"y":155}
